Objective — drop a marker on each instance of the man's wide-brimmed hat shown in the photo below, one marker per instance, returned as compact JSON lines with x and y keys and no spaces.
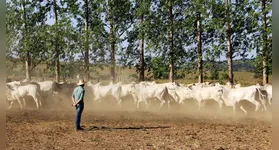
{"x":80,"y":82}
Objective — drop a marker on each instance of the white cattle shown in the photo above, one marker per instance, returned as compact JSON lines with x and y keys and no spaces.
{"x":19,"y":93}
{"x":228,"y":84}
{"x":14,"y":83}
{"x":101,"y":91}
{"x":263,"y":95}
{"x":172,"y":87}
{"x":232,"y":96}
{"x":268,"y":89}
{"x":218,"y":84}
{"x":11,"y":99}
{"x":147,"y":92}
{"x":205,"y":84}
{"x":183,"y":94}
{"x":48,"y":91}
{"x":237,"y":85}
{"x":46,"y":88}
{"x":126,"y":91}
{"x":201,"y":94}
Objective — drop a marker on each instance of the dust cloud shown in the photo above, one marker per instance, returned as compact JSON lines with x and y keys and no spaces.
{"x":128,"y":106}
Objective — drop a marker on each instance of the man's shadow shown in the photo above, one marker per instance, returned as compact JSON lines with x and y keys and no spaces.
{"x":92,"y":128}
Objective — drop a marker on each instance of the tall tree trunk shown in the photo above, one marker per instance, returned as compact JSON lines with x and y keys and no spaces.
{"x":229,"y":45}
{"x":112,"y":44}
{"x":264,"y":53}
{"x":57,"y":52}
{"x":27,"y":65}
{"x":200,"y":61}
{"x":141,"y":52}
{"x":86,"y":53}
{"x":171,"y":62}
{"x":27,"y":55}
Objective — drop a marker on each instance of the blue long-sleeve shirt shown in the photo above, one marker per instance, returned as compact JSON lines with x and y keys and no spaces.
{"x":78,"y":94}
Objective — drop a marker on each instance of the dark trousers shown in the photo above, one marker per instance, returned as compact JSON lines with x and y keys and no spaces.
{"x":79,"y":110}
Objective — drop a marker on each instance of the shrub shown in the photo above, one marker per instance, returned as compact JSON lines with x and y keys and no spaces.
{"x":224,"y":76}
{"x":214,"y":75}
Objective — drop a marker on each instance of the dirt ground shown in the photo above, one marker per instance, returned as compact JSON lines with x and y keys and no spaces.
{"x":130,"y":128}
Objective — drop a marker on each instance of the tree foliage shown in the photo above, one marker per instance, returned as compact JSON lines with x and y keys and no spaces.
{"x":115,"y":24}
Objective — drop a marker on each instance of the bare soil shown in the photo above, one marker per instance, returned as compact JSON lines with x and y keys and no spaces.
{"x":131,"y":128}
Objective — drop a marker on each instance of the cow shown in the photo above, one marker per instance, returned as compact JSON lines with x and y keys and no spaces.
{"x":19,"y":93}
{"x":183,"y":94}
{"x":100,"y":91}
{"x":228,"y":84}
{"x":63,"y":90}
{"x":14,"y":83}
{"x":232,"y":96}
{"x":146,"y":92}
{"x":126,"y":91}
{"x":47,"y":91}
{"x":268,"y":89}
{"x":172,"y":87}
{"x":201,"y":94}
{"x":11,"y":99}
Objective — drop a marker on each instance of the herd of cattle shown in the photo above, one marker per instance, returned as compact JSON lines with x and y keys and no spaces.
{"x":166,"y":93}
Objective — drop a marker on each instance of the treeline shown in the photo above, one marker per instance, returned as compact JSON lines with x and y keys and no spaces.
{"x":157,"y":36}
{"x":247,"y":65}
{"x":71,"y":69}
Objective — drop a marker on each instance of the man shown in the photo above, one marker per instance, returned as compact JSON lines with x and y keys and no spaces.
{"x":77,"y":99}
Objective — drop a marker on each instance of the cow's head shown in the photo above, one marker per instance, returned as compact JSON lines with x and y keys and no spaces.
{"x":132,"y":88}
{"x":10,"y":87}
{"x":188,"y":92}
{"x":143,"y":84}
{"x":220,"y":91}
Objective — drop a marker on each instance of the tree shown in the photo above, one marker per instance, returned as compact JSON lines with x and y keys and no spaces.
{"x":86,"y":51}
{"x":262,"y":38}
{"x":91,"y":37}
{"x":229,"y":45}
{"x":59,"y":37}
{"x":27,"y":53}
{"x":142,"y":10}
{"x":118,"y":20}
{"x":24,"y":30}
{"x":200,"y":62}
{"x":57,"y":51}
{"x":166,"y":35}
{"x":171,"y":62}
{"x":266,"y":42}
